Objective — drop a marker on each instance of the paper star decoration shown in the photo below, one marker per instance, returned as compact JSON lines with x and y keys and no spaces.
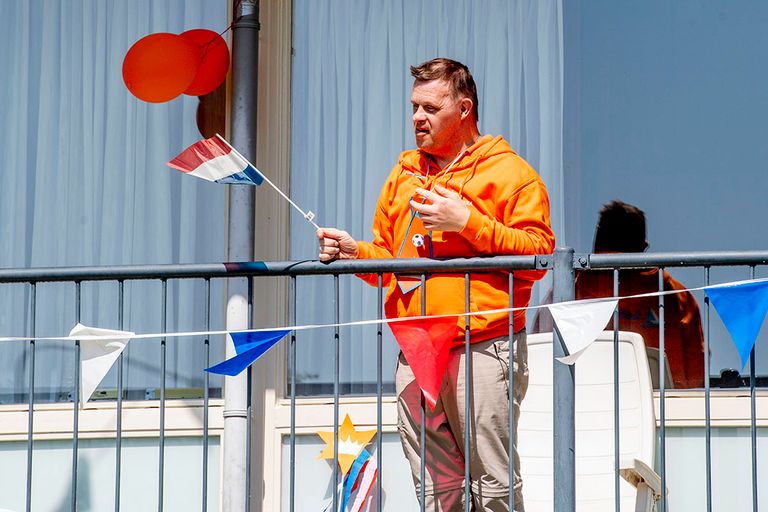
{"x":351,"y":443}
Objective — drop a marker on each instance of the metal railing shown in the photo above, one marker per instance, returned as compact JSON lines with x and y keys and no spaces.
{"x":119,"y":274}
{"x":563,"y":263}
{"x":661,"y":261}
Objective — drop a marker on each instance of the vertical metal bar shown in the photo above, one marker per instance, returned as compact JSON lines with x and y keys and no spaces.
{"x":563,"y":394}
{"x":753,"y":414}
{"x":662,"y":395}
{"x":468,"y":390}
{"x":616,"y":410}
{"x":248,"y":434}
{"x":31,"y":398}
{"x":423,"y":413}
{"x":249,"y":407}
{"x":161,"y":444}
{"x":510,"y":393}
{"x":379,"y":386}
{"x":119,"y":405}
{"x":206,"y":391}
{"x":336,"y":354}
{"x":292,"y":362}
{"x":76,"y":416}
{"x":707,"y":412}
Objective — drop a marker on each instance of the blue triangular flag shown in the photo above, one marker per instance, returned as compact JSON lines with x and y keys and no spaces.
{"x":245,"y":341}
{"x":742,"y":308}
{"x":249,"y":347}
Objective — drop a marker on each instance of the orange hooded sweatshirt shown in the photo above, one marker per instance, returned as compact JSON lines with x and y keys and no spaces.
{"x":509,"y":215}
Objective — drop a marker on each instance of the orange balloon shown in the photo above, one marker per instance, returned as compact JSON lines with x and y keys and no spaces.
{"x":214,"y":62}
{"x":160,"y":66}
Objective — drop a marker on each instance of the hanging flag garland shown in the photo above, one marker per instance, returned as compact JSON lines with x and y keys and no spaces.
{"x":425,"y":341}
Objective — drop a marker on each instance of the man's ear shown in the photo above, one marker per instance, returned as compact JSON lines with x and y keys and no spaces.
{"x":465,"y":107}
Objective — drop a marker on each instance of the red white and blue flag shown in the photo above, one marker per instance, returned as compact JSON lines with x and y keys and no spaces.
{"x":216,"y":160}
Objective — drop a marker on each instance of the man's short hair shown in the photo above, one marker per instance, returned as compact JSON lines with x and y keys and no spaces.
{"x":453,"y":72}
{"x":620,"y":228}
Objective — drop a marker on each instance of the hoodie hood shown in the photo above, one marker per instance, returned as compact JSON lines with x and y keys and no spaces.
{"x":487,"y":146}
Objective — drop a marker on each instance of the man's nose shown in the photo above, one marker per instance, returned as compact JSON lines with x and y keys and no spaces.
{"x":419,"y":115}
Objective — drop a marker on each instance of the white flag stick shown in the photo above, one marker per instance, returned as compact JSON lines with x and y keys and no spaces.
{"x":307,"y":215}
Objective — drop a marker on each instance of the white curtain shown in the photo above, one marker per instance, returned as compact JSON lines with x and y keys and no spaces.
{"x":84,"y":182}
{"x":351,"y":118}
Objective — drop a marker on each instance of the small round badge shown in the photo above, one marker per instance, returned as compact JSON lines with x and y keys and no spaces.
{"x":418,"y":240}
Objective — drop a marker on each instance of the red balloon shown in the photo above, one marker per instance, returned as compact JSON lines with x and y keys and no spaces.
{"x":160,"y":66}
{"x":214,"y":62}
{"x":212,"y":112}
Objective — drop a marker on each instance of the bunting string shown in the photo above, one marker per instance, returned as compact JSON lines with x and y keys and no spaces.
{"x":305,"y":327}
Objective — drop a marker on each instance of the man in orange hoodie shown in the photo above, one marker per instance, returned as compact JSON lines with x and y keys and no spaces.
{"x":458,"y":195}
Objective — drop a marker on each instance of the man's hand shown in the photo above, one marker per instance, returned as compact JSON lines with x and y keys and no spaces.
{"x":336,"y":244}
{"x":446,"y":211}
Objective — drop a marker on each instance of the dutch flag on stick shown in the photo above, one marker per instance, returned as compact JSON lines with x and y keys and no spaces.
{"x":216,"y":160}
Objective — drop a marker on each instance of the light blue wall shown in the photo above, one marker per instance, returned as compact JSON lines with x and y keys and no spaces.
{"x":665,"y":107}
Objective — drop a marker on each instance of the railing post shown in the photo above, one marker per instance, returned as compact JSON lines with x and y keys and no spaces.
{"x":564,"y":394}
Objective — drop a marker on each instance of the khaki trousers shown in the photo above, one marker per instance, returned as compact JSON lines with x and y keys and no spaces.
{"x":489,"y":427}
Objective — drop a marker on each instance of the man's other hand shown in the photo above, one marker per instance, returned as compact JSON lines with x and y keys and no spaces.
{"x":445,"y":211}
{"x":336,"y":244}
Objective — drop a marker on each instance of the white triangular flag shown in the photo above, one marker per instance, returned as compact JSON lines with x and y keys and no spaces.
{"x":580,"y":323}
{"x":99,"y":349}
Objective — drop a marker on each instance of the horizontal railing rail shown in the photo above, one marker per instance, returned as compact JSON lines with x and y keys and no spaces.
{"x":671,"y":259}
{"x":266,"y":268}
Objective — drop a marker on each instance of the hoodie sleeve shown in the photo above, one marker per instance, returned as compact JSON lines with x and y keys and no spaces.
{"x":381,"y":247}
{"x":525,"y":229}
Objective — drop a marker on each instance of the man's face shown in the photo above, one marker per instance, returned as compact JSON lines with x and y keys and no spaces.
{"x":436,"y":118}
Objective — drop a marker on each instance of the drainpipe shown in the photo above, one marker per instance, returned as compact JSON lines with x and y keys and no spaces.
{"x":240,"y":247}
